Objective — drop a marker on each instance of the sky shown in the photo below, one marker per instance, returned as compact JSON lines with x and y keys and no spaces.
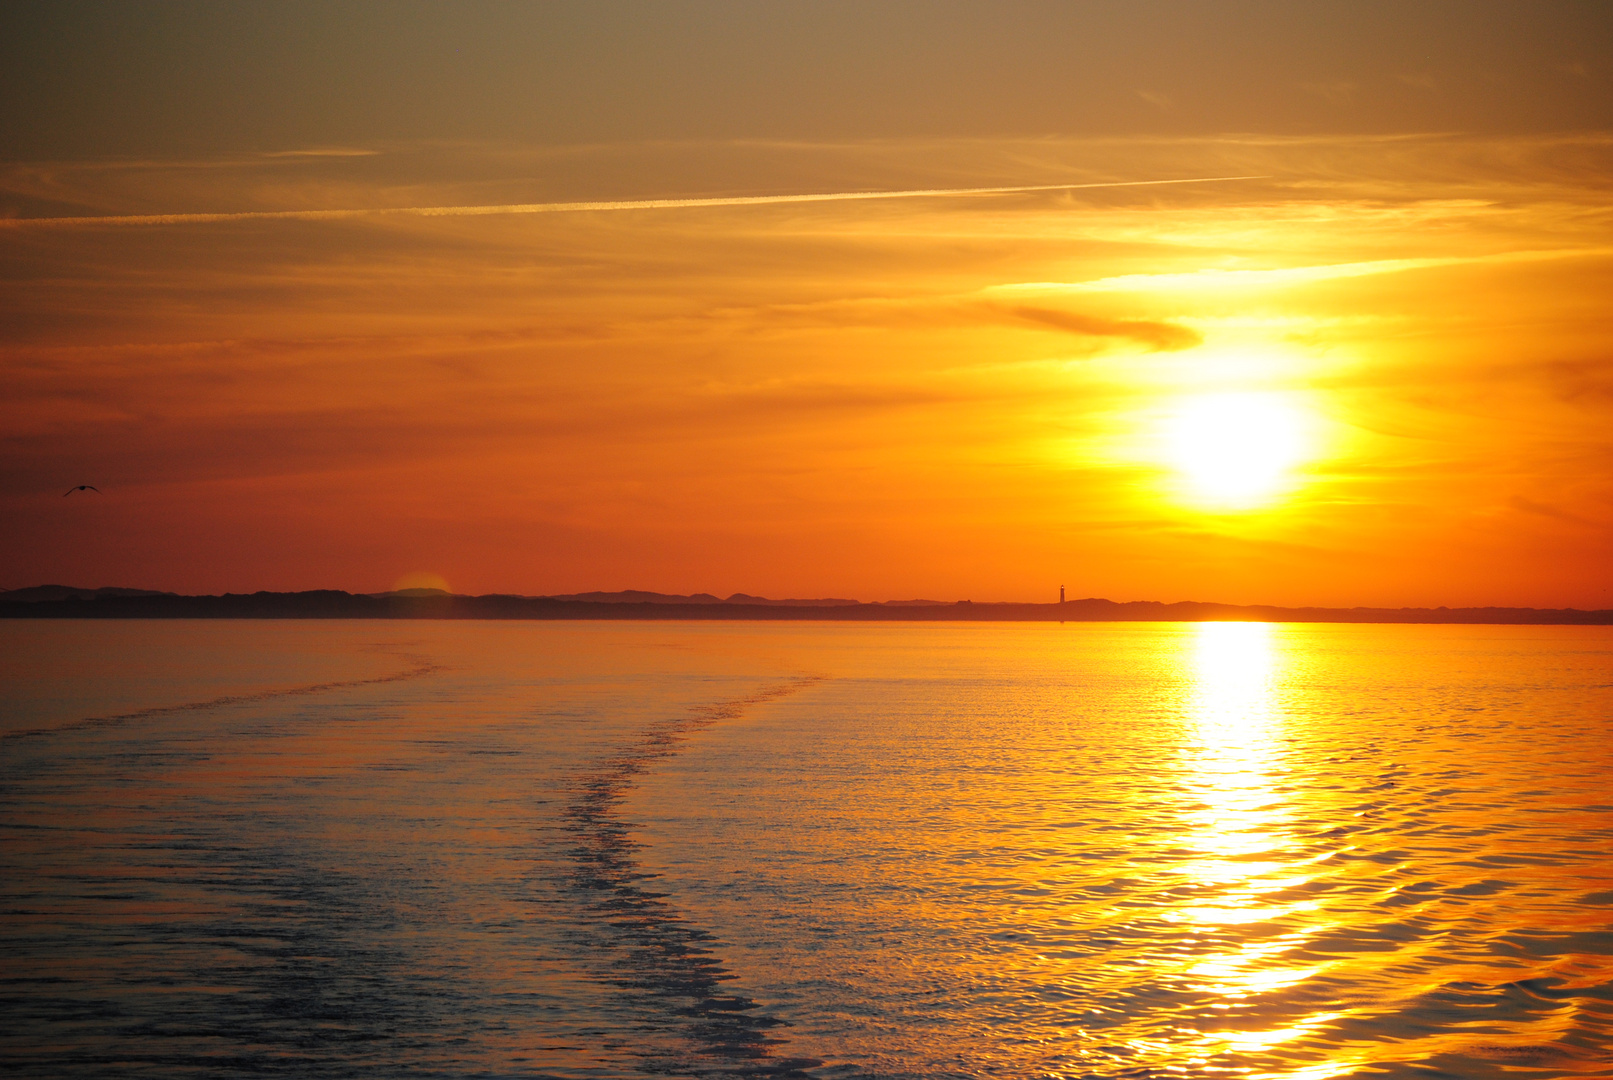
{"x":1245,"y":302}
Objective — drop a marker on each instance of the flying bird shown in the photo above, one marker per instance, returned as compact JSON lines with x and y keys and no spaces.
{"x":81,"y":487}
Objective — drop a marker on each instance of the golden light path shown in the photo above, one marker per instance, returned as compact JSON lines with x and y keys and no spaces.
{"x":1247,"y":857}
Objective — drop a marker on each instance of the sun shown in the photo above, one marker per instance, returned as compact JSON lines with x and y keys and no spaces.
{"x":1237,"y":450}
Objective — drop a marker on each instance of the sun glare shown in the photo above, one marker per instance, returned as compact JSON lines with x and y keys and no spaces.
{"x":1236,"y":450}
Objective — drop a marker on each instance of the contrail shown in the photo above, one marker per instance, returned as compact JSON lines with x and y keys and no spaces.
{"x":577,"y":207}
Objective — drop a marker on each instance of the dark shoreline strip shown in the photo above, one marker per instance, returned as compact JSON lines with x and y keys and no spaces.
{"x":334,"y":604}
{"x":422,"y":667}
{"x":664,"y":958}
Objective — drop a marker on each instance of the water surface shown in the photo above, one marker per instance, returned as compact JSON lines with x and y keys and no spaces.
{"x":939,"y":850}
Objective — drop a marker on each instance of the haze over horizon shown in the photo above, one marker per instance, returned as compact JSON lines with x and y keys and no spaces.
{"x":1256,"y":303}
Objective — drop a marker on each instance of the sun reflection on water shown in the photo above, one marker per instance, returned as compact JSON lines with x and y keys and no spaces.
{"x":1245,"y":867}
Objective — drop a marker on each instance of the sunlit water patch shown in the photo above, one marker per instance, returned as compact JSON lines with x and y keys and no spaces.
{"x":1226,"y":849}
{"x":571,"y":850}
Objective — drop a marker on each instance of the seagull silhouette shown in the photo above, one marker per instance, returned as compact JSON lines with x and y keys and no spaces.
{"x":81,"y":487}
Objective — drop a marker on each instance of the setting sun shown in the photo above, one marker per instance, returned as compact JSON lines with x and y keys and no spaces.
{"x":1236,"y":450}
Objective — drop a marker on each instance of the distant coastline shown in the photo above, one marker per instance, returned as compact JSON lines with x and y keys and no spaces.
{"x":65,"y":602}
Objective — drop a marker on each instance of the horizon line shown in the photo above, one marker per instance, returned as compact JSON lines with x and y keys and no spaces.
{"x":754,"y":600}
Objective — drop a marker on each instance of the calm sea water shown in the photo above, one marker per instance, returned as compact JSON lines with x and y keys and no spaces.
{"x":617,"y":850}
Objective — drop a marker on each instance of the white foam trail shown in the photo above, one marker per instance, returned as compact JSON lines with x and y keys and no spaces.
{"x":576,"y":207}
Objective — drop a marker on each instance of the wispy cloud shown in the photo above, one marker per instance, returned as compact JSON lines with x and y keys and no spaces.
{"x":1160,"y":336}
{"x":333,"y":151}
{"x":597,"y":205}
{"x":1338,"y":92}
{"x":1556,"y":513}
{"x":1292,"y":275}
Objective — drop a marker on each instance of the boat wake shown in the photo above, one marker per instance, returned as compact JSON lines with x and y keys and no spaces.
{"x":654,"y":954}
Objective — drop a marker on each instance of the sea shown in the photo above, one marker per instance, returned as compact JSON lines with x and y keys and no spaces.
{"x":833,"y":850}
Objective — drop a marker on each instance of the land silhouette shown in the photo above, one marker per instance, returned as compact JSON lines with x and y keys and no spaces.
{"x":62,"y":601}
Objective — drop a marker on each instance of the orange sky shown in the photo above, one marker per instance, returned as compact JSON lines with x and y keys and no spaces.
{"x":969,"y":395}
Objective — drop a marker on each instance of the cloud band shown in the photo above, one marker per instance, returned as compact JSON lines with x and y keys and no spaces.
{"x":580,"y":207}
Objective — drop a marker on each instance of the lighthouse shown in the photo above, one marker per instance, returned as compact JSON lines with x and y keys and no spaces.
{"x":1061,"y":594}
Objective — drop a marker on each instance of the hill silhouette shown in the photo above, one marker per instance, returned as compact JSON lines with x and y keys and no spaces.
{"x":60,"y":601}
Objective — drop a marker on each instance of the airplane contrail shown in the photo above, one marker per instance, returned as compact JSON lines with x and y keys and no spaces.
{"x":575,"y":207}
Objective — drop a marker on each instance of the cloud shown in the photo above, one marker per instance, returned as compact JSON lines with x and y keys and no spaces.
{"x":1338,"y":92}
{"x":1529,"y":506}
{"x":1587,"y":382}
{"x":821,"y":397}
{"x":333,"y":152}
{"x":1290,"y":275}
{"x":1159,"y":336}
{"x":596,"y":205}
{"x":966,"y":311}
